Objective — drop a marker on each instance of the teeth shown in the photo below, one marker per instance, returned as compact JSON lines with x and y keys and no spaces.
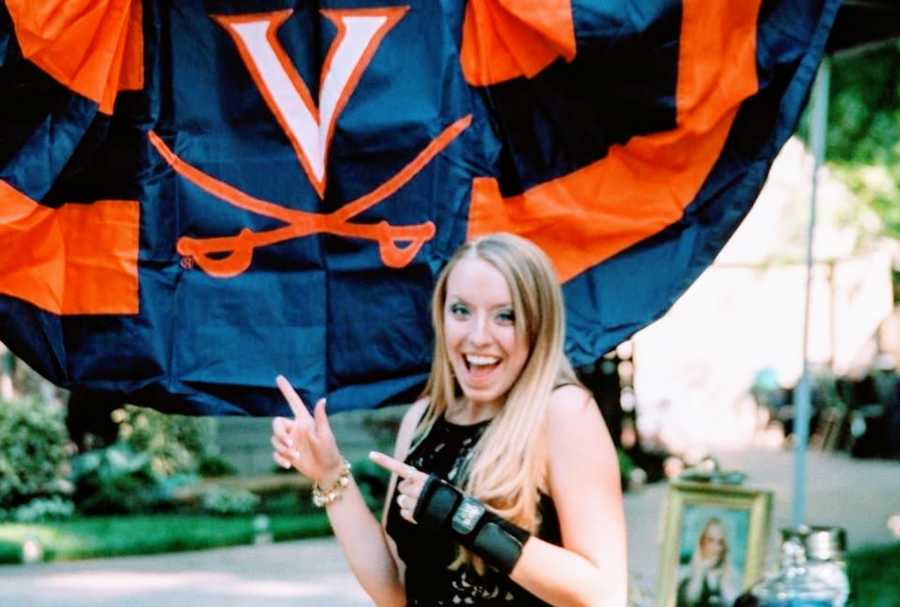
{"x":481,"y":360}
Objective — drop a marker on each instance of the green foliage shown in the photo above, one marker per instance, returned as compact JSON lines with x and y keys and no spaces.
{"x":33,"y":451}
{"x":155,"y":453}
{"x":126,"y":535}
{"x":864,"y":108}
{"x":42,"y":509}
{"x":215,"y":465}
{"x":875,"y":575}
{"x":10,"y":552}
{"x":864,"y":129}
{"x":115,"y":479}
{"x":626,"y":465}
{"x":226,"y":501}
{"x":174,"y":443}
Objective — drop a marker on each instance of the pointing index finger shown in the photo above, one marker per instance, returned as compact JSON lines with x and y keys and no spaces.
{"x":293,"y":399}
{"x":390,"y":464}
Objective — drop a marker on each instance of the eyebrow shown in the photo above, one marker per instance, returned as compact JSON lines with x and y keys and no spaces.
{"x":457,"y":299}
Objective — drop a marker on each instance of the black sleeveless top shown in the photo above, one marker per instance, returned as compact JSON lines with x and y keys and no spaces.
{"x":445,"y":452}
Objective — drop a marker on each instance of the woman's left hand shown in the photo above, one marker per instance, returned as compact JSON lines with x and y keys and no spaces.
{"x":410,"y":485}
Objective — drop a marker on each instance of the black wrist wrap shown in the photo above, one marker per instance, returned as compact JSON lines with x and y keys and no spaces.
{"x":443,"y":507}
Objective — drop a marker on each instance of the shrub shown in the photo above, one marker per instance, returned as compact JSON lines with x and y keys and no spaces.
{"x":215,"y":465}
{"x":174,"y":443}
{"x":33,"y":451}
{"x":154,"y":455}
{"x":115,"y":479}
{"x":226,"y":502}
{"x":42,"y":509}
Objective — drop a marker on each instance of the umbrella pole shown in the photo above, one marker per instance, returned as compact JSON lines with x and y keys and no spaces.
{"x":802,"y":409}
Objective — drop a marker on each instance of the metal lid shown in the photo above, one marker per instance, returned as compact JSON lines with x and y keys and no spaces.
{"x":822,"y":543}
{"x":826,"y":543}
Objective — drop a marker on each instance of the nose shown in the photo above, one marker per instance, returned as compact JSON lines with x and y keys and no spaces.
{"x":480,"y":333}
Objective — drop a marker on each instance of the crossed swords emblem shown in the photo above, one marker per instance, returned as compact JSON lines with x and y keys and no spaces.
{"x":228,"y":256}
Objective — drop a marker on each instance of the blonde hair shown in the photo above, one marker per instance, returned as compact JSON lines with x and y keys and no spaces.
{"x":508,"y":464}
{"x":729,"y":585}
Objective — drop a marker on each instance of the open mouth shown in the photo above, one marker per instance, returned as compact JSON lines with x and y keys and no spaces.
{"x":480,"y":366}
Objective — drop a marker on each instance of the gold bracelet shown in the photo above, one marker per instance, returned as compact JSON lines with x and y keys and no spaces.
{"x":324,"y":497}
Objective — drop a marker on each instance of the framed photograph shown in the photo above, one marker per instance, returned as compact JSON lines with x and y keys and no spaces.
{"x":714,"y":543}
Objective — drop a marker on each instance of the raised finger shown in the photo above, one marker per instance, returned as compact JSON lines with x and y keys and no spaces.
{"x":293,"y":399}
{"x":390,"y":464}
{"x":321,"y":418}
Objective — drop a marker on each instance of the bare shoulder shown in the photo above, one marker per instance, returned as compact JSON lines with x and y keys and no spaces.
{"x":571,"y":405}
{"x":574,"y":419}
{"x":571,"y":398}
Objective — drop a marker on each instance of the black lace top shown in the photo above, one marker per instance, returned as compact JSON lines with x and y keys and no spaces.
{"x":429,"y":583}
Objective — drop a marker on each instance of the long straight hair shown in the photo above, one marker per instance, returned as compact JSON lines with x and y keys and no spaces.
{"x":508,"y":464}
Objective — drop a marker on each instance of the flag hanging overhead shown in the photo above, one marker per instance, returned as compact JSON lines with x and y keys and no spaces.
{"x":197,"y":196}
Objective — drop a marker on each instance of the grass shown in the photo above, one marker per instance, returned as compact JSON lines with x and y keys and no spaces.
{"x":284,"y":500}
{"x":875,"y":575}
{"x":104,"y":536}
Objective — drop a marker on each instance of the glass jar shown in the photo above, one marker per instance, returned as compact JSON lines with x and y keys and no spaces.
{"x":794,"y":585}
{"x":825,"y":548}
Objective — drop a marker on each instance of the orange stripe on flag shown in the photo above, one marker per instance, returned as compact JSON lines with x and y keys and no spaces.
{"x":78,"y":259}
{"x":505,"y":39}
{"x":131,"y":77}
{"x":94,"y":47}
{"x":641,"y":187}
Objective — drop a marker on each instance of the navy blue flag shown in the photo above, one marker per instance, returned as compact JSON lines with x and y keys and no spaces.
{"x":197,"y":196}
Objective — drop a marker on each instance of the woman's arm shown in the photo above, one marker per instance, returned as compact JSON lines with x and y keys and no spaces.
{"x":590,"y":568}
{"x":307,"y":444}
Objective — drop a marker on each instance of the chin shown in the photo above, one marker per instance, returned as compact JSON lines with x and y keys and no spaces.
{"x":481,"y":396}
{"x":486,"y":395}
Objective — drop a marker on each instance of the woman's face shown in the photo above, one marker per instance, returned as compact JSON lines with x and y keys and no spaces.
{"x":712,"y":544}
{"x":480,"y":332}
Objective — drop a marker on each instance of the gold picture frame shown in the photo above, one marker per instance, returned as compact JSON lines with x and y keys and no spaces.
{"x":714,"y":542}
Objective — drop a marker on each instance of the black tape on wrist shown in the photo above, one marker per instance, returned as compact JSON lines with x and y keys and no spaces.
{"x":436,"y":503}
{"x":443,"y":507}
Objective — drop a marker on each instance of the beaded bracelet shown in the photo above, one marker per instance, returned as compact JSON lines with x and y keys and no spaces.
{"x":324,"y":497}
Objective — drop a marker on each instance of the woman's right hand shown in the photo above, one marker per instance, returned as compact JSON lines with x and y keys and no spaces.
{"x":306,"y":442}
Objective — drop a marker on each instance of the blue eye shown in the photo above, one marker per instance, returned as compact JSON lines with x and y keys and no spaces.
{"x":459,"y":310}
{"x":506,"y":316}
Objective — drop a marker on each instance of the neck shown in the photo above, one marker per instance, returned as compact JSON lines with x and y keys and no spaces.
{"x":466,"y":412}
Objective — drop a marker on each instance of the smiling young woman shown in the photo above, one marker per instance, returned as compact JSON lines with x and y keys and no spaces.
{"x":505,"y":486}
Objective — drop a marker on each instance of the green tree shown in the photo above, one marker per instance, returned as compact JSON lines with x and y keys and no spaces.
{"x":864,"y":128}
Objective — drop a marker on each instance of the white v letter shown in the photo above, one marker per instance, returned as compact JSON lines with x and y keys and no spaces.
{"x":310,"y":127}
